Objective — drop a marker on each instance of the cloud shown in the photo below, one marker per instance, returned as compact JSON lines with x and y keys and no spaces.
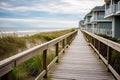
{"x":40,"y":22}
{"x":47,"y":13}
{"x":34,"y":20}
{"x":55,"y":6}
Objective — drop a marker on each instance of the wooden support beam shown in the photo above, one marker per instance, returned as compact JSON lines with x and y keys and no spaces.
{"x":57,"y":51}
{"x":45,"y":62}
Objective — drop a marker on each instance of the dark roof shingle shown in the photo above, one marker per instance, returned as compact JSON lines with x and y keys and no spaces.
{"x":99,"y":8}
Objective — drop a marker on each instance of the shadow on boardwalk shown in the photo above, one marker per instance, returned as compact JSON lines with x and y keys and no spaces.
{"x":80,"y":62}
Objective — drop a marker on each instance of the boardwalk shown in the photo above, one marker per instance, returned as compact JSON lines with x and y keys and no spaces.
{"x":80,"y":63}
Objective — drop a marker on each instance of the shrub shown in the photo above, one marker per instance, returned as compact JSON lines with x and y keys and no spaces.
{"x":109,"y":37}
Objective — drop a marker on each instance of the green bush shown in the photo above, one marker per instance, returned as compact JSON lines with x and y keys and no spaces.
{"x":109,"y":37}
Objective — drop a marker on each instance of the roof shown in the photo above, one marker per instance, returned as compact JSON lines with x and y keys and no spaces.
{"x":107,"y":1}
{"x":99,"y":8}
{"x":81,"y":20}
{"x":88,"y":15}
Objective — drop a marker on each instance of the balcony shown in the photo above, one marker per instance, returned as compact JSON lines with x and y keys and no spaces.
{"x":100,"y":18}
{"x":111,"y":10}
{"x":118,"y":8}
{"x":87,"y":21}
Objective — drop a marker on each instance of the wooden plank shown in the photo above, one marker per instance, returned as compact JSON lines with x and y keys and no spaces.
{"x":109,"y":43}
{"x":80,"y":62}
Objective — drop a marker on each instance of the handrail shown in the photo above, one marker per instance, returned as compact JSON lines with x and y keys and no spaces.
{"x":7,"y":65}
{"x":104,"y":49}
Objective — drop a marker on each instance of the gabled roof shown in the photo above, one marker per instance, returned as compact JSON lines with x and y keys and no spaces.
{"x":99,"y":8}
{"x":81,"y":21}
{"x":88,"y":15}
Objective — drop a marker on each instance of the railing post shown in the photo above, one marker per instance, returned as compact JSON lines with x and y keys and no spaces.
{"x":67,"y":41}
{"x":7,"y":76}
{"x":57,"y":51}
{"x":109,"y":55}
{"x":45,"y":62}
{"x":71,"y":37}
{"x":91,"y":39}
{"x":63,"y":44}
{"x":94,"y":42}
{"x":98,"y":46}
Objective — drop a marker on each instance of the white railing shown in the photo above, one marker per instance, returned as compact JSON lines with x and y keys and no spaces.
{"x":87,"y":20}
{"x":118,"y":6}
{"x":111,"y":9}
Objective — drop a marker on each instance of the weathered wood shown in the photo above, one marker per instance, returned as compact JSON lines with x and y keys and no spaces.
{"x":109,"y":56}
{"x":109,"y":43}
{"x":106,"y":51}
{"x":45,"y":62}
{"x":10,"y":63}
{"x":80,"y":63}
{"x":8,"y":76}
{"x":63,"y":45}
{"x":57,"y":51}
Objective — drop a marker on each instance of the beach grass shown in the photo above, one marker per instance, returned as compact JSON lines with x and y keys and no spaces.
{"x":32,"y":67}
{"x":11,"y":45}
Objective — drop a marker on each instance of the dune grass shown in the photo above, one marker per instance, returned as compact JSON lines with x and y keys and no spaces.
{"x":32,"y":67}
{"x":11,"y":45}
{"x":29,"y":69}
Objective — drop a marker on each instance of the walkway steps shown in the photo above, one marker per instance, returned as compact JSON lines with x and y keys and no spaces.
{"x":80,"y":62}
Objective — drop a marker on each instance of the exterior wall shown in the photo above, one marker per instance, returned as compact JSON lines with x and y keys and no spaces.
{"x":87,"y":19}
{"x":102,"y":28}
{"x":105,"y":28}
{"x":116,"y":26}
{"x":99,"y":15}
{"x":95,"y":28}
{"x":89,"y":27}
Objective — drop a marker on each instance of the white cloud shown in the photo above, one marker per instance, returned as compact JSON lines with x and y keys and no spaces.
{"x":34,"y":20}
{"x":62,"y":6}
{"x":42,"y":22}
{"x":74,"y":7}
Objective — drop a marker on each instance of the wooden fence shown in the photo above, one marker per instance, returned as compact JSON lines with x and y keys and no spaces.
{"x":107,"y":50}
{"x":7,"y":65}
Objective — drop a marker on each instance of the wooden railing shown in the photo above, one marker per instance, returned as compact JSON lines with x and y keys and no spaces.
{"x":107,"y":50}
{"x":7,"y":65}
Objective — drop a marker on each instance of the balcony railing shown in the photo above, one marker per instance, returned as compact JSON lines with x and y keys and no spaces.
{"x":118,"y":7}
{"x":99,"y":18}
{"x":87,"y":21}
{"x":111,"y":10}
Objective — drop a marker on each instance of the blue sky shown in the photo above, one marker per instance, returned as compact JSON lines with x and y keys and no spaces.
{"x":44,"y":13}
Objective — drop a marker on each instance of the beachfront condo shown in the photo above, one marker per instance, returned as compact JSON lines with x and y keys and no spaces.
{"x":87,"y":22}
{"x":112,"y":10}
{"x":100,"y":25}
{"x":81,"y":25}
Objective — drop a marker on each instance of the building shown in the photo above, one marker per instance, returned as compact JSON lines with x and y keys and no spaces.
{"x":87,"y":22}
{"x":112,"y":10}
{"x":99,"y":23}
{"x":81,"y":25}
